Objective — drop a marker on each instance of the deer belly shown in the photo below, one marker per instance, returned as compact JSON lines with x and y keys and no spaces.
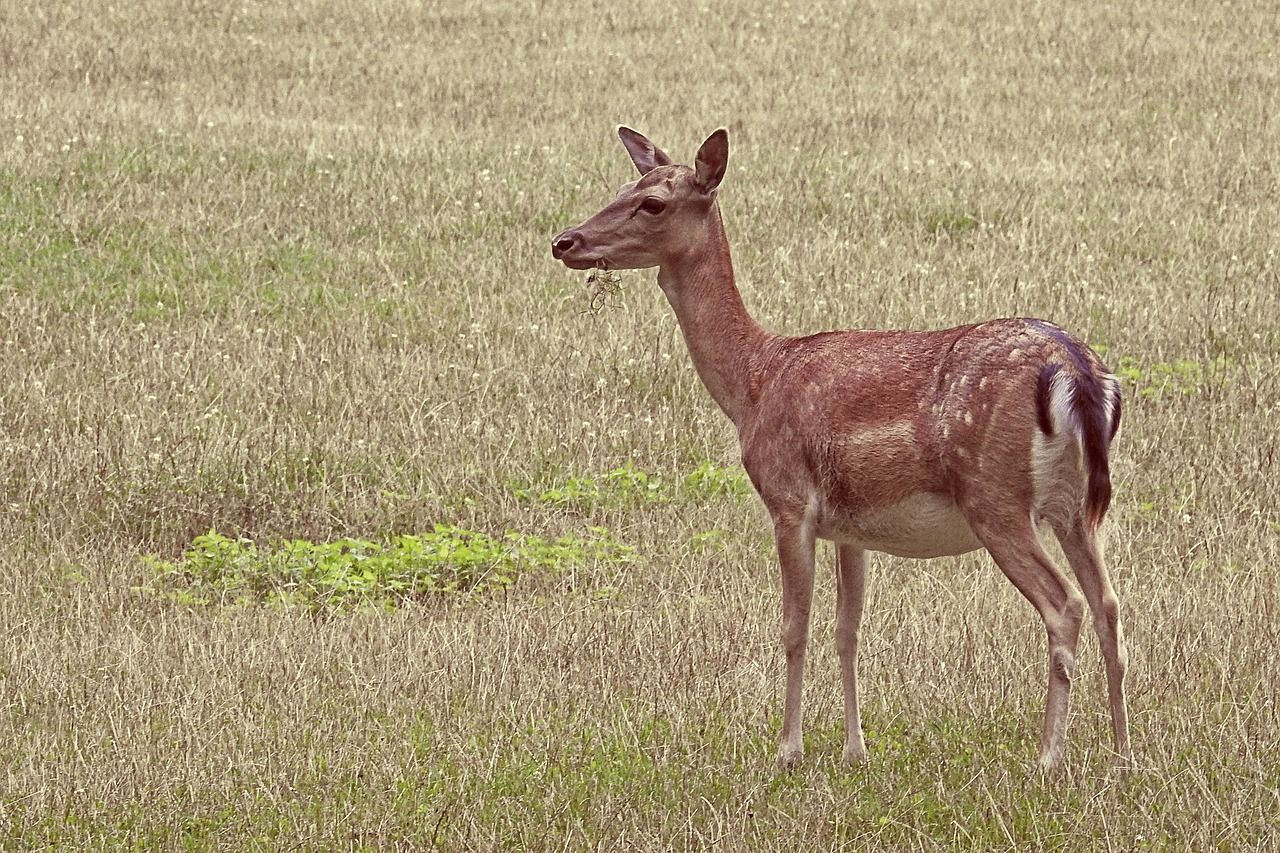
{"x":923,"y":525}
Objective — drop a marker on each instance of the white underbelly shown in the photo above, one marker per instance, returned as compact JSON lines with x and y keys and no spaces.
{"x":923,"y":525}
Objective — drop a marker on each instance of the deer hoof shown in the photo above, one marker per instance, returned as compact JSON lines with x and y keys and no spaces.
{"x":789,"y":758}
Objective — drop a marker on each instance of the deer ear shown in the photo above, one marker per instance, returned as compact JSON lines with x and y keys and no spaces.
{"x":713,"y":158}
{"x":643,"y":153}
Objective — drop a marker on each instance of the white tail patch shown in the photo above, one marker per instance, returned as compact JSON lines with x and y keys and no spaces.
{"x":1057,"y":460}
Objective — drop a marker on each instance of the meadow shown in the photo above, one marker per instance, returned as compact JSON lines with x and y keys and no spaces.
{"x":334,"y":514}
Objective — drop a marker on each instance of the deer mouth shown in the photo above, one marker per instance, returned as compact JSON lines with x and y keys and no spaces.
{"x":581,"y":263}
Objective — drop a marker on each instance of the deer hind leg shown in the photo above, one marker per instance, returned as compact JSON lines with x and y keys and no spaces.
{"x":796,"y":556}
{"x":1083,"y":551}
{"x":851,"y":586}
{"x":1018,"y":553}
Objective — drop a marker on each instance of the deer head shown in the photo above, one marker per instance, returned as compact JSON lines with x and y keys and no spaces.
{"x":655,"y":220}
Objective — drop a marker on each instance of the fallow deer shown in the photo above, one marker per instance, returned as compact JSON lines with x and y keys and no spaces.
{"x":912,"y":443}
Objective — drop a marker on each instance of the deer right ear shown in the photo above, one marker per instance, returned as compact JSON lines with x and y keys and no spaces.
{"x":643,"y":153}
{"x":712,"y":160}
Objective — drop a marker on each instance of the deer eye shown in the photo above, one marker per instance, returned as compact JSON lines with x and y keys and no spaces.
{"x":653,"y":205}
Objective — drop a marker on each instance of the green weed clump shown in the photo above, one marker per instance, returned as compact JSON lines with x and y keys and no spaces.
{"x":628,"y":487}
{"x":348,"y":572}
{"x":1180,"y":376}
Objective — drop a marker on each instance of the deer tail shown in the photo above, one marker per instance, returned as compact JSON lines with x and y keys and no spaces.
{"x":1085,"y":404}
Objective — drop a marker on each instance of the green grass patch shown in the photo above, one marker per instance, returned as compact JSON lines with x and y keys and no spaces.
{"x":628,"y":487}
{"x":450,"y":561}
{"x":1176,"y":377}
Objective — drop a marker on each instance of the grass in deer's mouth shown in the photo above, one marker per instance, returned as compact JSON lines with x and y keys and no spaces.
{"x":604,"y":284}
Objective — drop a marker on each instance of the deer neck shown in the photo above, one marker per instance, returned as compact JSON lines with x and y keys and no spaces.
{"x":723,"y":339}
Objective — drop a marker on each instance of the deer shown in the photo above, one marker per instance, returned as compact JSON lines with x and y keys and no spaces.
{"x":917,"y":444}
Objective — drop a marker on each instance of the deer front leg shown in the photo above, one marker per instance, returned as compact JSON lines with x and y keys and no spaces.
{"x":796,"y":556}
{"x":851,"y":588}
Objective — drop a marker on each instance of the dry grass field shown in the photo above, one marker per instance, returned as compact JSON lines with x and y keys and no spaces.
{"x":280,"y":272}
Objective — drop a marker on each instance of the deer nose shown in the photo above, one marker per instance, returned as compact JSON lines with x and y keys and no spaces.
{"x":563,"y":242}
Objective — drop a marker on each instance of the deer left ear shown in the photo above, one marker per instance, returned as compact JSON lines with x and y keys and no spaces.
{"x":644,"y":153}
{"x":712,"y":160}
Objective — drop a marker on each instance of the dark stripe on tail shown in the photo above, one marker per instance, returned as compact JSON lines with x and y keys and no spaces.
{"x":1044,"y":389}
{"x":1097,"y":429}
